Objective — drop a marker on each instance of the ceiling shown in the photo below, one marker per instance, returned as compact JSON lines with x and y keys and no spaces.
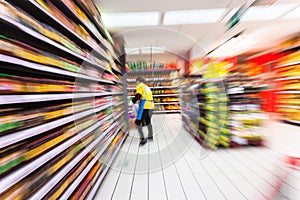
{"x":179,"y":39}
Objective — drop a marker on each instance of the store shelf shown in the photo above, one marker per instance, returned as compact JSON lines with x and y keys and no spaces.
{"x":117,"y":70}
{"x":54,"y":180}
{"x":94,"y":190}
{"x":27,"y":98}
{"x":45,"y":68}
{"x":285,"y":106}
{"x":152,"y":80}
{"x":21,"y":173}
{"x":151,"y":71}
{"x":27,"y":133}
{"x":288,"y":64}
{"x":288,"y":92}
{"x":119,"y":82}
{"x":166,"y":111}
{"x":91,"y":17}
{"x":43,"y":38}
{"x":79,"y":179}
{"x":201,"y":133}
{"x":117,"y":93}
{"x":164,"y":87}
{"x":290,"y":48}
{"x":160,"y":95}
{"x":100,"y":29}
{"x":158,"y":87}
{"x":57,"y":39}
{"x":288,"y":78}
{"x":131,"y":80}
{"x":196,"y":75}
{"x":166,"y":103}
{"x":164,"y":95}
{"x":65,"y":8}
{"x":292,"y":121}
{"x":118,"y":104}
{"x":118,"y":116}
{"x":213,"y":80}
{"x":38,"y":6}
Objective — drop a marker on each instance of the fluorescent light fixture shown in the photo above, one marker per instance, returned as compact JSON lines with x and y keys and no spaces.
{"x":234,"y":47}
{"x":131,"y":19}
{"x":202,"y":16}
{"x":294,"y":14}
{"x":132,"y":50}
{"x":261,"y":13}
{"x":147,"y":50}
{"x":229,"y":15}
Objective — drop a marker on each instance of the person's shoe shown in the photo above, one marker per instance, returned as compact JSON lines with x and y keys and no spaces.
{"x":150,"y":138}
{"x":143,"y":141}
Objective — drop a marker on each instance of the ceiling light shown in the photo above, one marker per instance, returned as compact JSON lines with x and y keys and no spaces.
{"x":131,"y":19}
{"x":193,"y":16}
{"x":234,"y":46}
{"x":148,"y":50}
{"x":132,"y":50}
{"x":229,"y":15}
{"x":294,"y":14}
{"x":260,"y":13}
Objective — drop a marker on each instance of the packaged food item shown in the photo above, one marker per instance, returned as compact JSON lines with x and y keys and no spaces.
{"x":9,"y":84}
{"x":86,"y":184}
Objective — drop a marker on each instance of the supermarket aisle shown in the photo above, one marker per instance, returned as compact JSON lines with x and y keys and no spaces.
{"x":174,"y":166}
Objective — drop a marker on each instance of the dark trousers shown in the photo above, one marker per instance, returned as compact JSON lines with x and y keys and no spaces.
{"x":145,"y":121}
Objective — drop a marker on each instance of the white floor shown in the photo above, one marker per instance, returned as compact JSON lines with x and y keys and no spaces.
{"x":175,"y":167}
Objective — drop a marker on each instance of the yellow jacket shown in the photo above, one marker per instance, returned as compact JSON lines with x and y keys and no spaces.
{"x":146,"y":94}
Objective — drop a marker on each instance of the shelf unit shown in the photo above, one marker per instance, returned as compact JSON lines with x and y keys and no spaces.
{"x":288,"y":89}
{"x":45,"y":68}
{"x":166,"y":111}
{"x":288,"y":64}
{"x":288,"y":78}
{"x":47,"y":41}
{"x":287,"y":106}
{"x":245,"y":112}
{"x":229,"y":106}
{"x":57,"y":14}
{"x":62,"y":103}
{"x":294,"y":122}
{"x":164,"y":86}
{"x":12,"y":99}
{"x":206,"y":111}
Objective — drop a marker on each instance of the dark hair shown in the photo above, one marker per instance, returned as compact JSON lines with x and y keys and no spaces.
{"x":141,"y":79}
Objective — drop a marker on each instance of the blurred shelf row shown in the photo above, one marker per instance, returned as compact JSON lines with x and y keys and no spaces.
{"x":287,"y":86}
{"x":62,"y":118}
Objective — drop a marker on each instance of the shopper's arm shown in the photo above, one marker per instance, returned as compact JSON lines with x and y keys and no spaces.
{"x":136,"y":98}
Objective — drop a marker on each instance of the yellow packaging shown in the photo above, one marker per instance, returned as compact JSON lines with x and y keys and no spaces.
{"x":38,"y":150}
{"x":70,"y":180}
{"x":54,"y":114}
{"x":59,"y":164}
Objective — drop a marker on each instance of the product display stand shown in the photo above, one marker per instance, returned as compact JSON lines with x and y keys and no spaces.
{"x":211,"y":121}
{"x":191,"y":109}
{"x":62,"y":118}
{"x":230,"y":111}
{"x":246,"y":116}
